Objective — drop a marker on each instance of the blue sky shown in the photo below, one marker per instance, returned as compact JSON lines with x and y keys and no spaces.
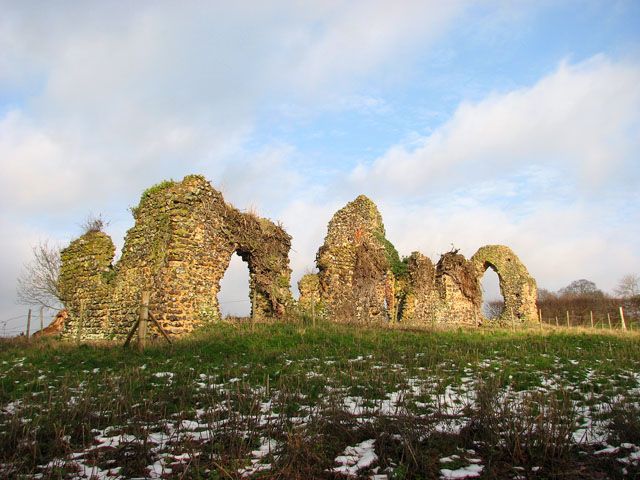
{"x":466,"y":122}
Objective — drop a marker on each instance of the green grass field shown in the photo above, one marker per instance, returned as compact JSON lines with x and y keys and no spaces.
{"x":331,"y":401}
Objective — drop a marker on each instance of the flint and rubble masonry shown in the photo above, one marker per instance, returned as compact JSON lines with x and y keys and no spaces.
{"x":178,"y":249}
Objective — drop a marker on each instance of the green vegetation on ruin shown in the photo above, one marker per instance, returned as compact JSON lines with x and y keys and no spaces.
{"x":398,"y":266}
{"x":152,"y":190}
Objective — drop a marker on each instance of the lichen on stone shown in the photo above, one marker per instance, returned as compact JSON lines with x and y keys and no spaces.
{"x":179,"y":248}
{"x":517,"y":286}
{"x":362,"y":278}
{"x":354,"y":271}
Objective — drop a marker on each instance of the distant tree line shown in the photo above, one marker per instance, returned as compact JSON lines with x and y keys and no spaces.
{"x":582,"y":299}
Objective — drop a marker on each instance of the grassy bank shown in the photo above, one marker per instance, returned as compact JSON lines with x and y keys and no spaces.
{"x":285,"y":401}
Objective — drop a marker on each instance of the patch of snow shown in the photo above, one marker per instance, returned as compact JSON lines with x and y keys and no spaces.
{"x":356,"y":458}
{"x":471,"y":471}
{"x":267,"y":446}
{"x":449,"y":459}
{"x":608,"y":449}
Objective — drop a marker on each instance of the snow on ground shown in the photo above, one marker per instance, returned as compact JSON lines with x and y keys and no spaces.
{"x":267,"y":446}
{"x":445,"y":389}
{"x":356,"y":458}
{"x":470,"y":471}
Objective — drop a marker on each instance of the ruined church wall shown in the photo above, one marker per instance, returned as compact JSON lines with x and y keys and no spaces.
{"x":175,"y":251}
{"x":459,"y":289}
{"x":420,"y":301}
{"x":178,"y":250}
{"x":85,"y":284}
{"x":353,"y":268}
{"x":517,"y":286}
{"x":185,"y":234}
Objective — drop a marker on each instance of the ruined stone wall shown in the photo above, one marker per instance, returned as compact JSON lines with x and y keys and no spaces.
{"x":361,"y":277}
{"x":518,"y":288}
{"x":452,"y":293}
{"x":183,"y":239}
{"x":178,"y":249}
{"x":459,"y":290}
{"x":354,"y":271}
{"x":84,"y":283}
{"x":419,"y":298}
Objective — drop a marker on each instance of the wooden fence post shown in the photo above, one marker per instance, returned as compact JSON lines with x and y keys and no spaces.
{"x":28,"y":323}
{"x":591,"y":316}
{"x":609,"y":319}
{"x":568,"y":322}
{"x":80,"y":322}
{"x":540,"y":317}
{"x":143,"y":317}
{"x":557,"y":324}
{"x":41,"y":319}
{"x":624,"y":324}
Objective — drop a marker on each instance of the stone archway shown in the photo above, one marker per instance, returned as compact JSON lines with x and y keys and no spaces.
{"x":234,"y":296}
{"x":518,"y":288}
{"x":178,"y":250}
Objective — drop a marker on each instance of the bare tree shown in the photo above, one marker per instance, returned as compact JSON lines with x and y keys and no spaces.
{"x":493,"y":309}
{"x":628,"y":286}
{"x":582,"y":288}
{"x":38,"y":282}
{"x":545,"y":295}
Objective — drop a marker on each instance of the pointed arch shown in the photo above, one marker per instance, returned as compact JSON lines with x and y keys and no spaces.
{"x":518,"y":288}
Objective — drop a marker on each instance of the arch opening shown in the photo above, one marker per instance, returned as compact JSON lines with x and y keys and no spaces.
{"x":234,"y":295}
{"x":492,"y":297}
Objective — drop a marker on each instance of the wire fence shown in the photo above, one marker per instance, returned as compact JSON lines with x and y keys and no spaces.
{"x":13,"y":330}
{"x":9,"y":328}
{"x":619,"y":319}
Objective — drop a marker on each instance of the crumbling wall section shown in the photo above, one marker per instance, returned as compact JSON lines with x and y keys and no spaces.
{"x":459,"y":289}
{"x":420,"y":300}
{"x":354,"y":268}
{"x":361,"y":277}
{"x":178,"y":250}
{"x":265,"y":247}
{"x":85,"y":284}
{"x":517,"y":286}
{"x":451,"y":292}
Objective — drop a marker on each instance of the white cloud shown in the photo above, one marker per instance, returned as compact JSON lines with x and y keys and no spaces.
{"x":99,"y":101}
{"x":118,"y":96}
{"x":355,"y":37}
{"x":583,"y":120}
{"x":557,"y":242}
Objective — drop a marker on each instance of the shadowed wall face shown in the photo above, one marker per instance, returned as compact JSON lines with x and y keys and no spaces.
{"x":354,"y":270}
{"x":178,"y":249}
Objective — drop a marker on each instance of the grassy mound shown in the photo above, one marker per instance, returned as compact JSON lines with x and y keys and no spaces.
{"x":292,"y":401}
